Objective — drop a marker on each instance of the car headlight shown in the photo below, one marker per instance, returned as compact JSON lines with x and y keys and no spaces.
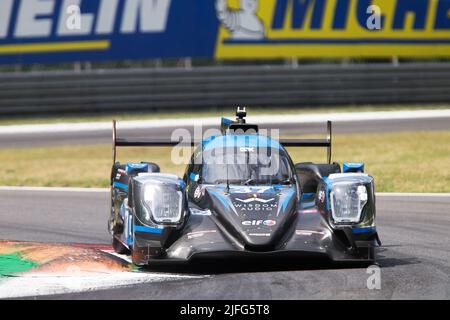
{"x":347,"y":202}
{"x":163,"y":203}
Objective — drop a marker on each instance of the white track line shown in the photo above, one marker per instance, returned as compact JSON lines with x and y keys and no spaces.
{"x":265,"y":119}
{"x":35,"y":284}
{"x":103,"y":190}
{"x":54,"y":189}
{"x":406,"y":194}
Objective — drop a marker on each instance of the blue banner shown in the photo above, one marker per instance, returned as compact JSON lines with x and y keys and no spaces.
{"x":35,"y":31}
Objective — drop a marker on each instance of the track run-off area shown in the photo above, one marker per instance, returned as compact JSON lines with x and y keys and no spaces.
{"x":54,"y":241}
{"x":66,"y":229}
{"x":37,"y":135}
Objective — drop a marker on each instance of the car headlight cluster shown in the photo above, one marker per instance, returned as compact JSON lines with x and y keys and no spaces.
{"x":347,"y":202}
{"x":162,"y":203}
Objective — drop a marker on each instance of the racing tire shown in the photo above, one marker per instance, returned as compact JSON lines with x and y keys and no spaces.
{"x":119,"y":247}
{"x":136,"y":257}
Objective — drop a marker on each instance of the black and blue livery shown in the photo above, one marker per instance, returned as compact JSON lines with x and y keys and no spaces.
{"x":260,"y":204}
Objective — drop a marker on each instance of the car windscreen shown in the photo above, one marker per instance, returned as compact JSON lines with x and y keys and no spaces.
{"x":246,"y":165}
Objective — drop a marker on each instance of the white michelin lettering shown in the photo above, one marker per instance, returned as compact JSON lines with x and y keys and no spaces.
{"x":5,"y":17}
{"x":106,"y":16}
{"x":70,"y":17}
{"x":36,"y":18}
{"x":152,"y":15}
{"x":28,"y":23}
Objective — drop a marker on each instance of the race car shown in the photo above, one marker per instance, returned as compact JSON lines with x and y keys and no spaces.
{"x":242,"y":196}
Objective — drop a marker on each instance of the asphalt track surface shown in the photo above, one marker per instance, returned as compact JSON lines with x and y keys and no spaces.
{"x":104,"y":136}
{"x":414,"y":257}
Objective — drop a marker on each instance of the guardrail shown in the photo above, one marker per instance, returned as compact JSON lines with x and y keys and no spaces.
{"x":148,"y":89}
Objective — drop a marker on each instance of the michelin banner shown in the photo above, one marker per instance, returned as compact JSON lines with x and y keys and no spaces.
{"x":34,"y":31}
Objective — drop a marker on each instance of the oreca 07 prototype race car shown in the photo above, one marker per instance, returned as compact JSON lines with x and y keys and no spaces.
{"x":242,"y":196}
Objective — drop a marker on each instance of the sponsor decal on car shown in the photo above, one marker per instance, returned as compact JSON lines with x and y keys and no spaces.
{"x":259,"y":234}
{"x":247,"y":189}
{"x":256,"y":207}
{"x":321,"y":196}
{"x":255,"y":204}
{"x":254,"y":199}
{"x":268,"y":222}
{"x":198,"y":193}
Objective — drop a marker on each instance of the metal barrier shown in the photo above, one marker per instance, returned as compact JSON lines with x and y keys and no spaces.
{"x":150,"y":89}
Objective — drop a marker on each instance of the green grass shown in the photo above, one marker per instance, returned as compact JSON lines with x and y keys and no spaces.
{"x":211,"y":113}
{"x":14,"y":263}
{"x":399,"y":162}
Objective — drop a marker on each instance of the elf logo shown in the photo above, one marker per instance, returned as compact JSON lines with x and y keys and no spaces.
{"x":268,"y":223}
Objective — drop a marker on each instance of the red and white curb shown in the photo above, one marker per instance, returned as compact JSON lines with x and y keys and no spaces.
{"x":32,"y":285}
{"x":80,"y":268}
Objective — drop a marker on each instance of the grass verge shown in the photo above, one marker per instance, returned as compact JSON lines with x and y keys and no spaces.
{"x":399,"y":162}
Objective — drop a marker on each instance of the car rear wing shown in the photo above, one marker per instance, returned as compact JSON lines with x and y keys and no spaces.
{"x":309,"y":143}
{"x":120,"y":142}
{"x":313,"y":143}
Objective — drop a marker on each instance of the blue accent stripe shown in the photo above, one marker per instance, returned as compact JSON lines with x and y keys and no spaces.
{"x":287,"y":199}
{"x":364,"y":230}
{"x":353,"y":167}
{"x":147,"y":229}
{"x":129,"y":235}
{"x":222,"y":199}
{"x":136,"y":166}
{"x":120,"y":185}
{"x":238,"y":141}
{"x":307,"y":195}
{"x":337,"y":41}
{"x":327,"y":192}
{"x":226,"y":121}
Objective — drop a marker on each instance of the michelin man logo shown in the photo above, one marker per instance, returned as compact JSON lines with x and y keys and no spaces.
{"x":244,"y":24}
